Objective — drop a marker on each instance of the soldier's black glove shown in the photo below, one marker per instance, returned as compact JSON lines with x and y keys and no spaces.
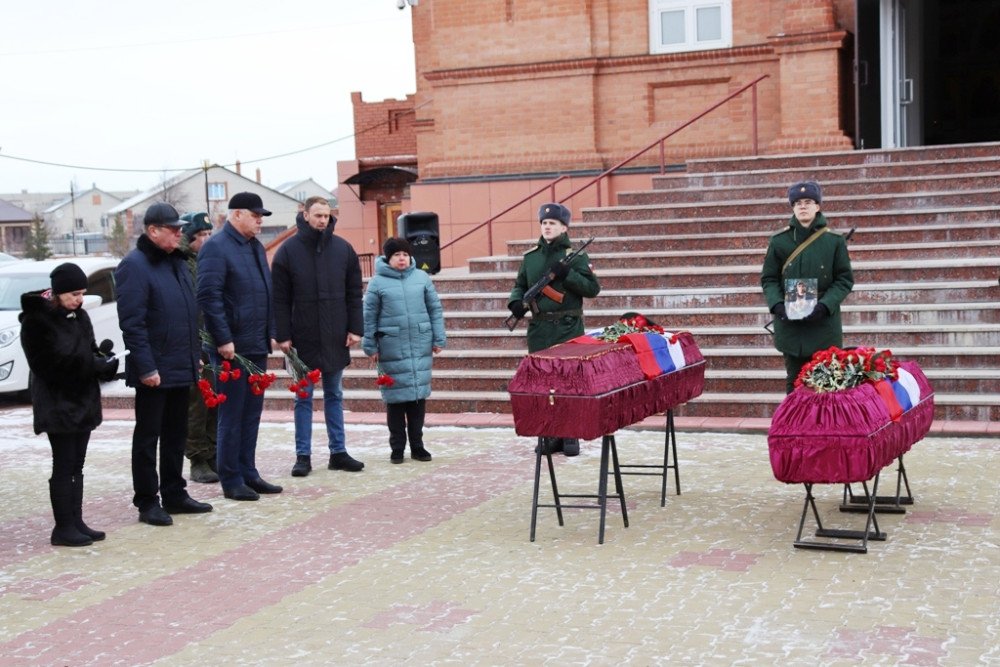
{"x":778,"y":310}
{"x":819,"y":312}
{"x":517,"y":308}
{"x":560,"y":271}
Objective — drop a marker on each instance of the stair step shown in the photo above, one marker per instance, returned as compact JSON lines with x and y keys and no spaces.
{"x":938,"y":292}
{"x":736,"y":256}
{"x":771,"y":186}
{"x":692,"y":275}
{"x":659,"y":219}
{"x":668,"y":205}
{"x":953,"y":158}
{"x":870,"y":175}
{"x":757,"y":240}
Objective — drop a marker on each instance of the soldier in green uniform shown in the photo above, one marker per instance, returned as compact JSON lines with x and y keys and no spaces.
{"x":559,"y":315}
{"x":200,"y":446}
{"x":806,"y":250}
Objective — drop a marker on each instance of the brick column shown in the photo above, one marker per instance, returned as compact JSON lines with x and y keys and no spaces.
{"x":813,"y":86}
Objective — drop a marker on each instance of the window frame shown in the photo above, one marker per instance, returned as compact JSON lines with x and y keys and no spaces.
{"x":690,"y":9}
{"x":218,"y":184}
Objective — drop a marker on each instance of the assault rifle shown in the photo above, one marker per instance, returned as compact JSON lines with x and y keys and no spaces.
{"x":541,"y":286}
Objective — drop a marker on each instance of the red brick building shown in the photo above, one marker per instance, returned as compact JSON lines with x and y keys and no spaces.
{"x":514,"y":93}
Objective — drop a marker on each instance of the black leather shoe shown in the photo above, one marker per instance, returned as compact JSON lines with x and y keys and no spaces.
{"x":260,"y":486}
{"x":420,"y":454}
{"x":155,"y":516}
{"x":303,"y":465}
{"x":343,"y":461}
{"x":241,"y":492}
{"x":187,"y":506}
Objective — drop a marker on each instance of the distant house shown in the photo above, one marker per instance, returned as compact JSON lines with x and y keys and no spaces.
{"x":84,"y":213}
{"x":208,"y":190}
{"x":303,"y":190}
{"x":38,"y":202}
{"x":15,"y":224}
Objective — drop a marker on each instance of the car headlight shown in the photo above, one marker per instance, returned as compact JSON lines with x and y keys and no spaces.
{"x":9,"y":335}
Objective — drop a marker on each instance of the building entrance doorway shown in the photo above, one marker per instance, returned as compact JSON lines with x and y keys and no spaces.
{"x":927,"y":72}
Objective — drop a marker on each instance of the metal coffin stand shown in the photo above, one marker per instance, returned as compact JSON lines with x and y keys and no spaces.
{"x":669,"y":449}
{"x":871,"y":531}
{"x":883,"y":504}
{"x":608,"y":452}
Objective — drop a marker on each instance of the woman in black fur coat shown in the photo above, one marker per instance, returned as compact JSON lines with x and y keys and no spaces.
{"x":66,"y":367}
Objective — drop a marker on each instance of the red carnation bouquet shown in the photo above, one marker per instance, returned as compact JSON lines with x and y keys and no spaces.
{"x":302,"y":375}
{"x":834,"y":369}
{"x":383,"y":380}
{"x":258,"y":379}
{"x":629,"y":324}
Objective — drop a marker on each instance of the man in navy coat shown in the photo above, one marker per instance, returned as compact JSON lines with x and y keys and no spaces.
{"x":234,"y":292}
{"x":158,"y":317}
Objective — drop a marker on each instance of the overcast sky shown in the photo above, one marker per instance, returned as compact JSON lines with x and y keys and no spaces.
{"x":164,"y":85}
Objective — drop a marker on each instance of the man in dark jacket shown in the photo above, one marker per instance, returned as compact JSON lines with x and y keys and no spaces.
{"x":556,"y":321}
{"x":806,"y":250}
{"x":158,"y":317}
{"x":317,"y":309}
{"x":202,"y":420}
{"x":234,"y":292}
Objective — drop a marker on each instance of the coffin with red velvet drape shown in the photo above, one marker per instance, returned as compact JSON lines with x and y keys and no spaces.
{"x":590,"y":389}
{"x":849,"y":436}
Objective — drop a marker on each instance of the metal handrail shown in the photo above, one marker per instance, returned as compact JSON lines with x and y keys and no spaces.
{"x":597,"y":179}
{"x":551,"y":186}
{"x":659,"y":142}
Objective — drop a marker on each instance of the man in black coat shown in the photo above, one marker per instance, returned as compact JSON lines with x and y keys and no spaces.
{"x":318,"y":311}
{"x":158,"y":316}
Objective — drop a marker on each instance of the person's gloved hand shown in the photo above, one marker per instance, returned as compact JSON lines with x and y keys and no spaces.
{"x":778,"y":310}
{"x":560,"y":271}
{"x":105,"y":368}
{"x":819,"y":312}
{"x":517,"y":308}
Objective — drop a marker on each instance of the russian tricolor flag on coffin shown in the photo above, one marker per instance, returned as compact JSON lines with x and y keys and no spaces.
{"x":906,"y":389}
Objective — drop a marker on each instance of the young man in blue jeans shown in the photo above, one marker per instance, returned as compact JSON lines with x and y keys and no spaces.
{"x":317,"y":307}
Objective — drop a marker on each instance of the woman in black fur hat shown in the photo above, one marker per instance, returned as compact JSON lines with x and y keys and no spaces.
{"x":66,"y":367}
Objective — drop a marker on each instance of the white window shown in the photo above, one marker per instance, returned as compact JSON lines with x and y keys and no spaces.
{"x":217,"y":191}
{"x":690,"y":25}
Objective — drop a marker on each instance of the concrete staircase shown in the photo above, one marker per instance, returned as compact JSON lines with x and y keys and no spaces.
{"x":687,"y":253}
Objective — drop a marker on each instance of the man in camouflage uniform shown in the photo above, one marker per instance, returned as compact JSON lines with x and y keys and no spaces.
{"x":554,"y":322}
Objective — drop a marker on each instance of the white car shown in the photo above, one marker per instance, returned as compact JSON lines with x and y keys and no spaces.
{"x":19,"y":277}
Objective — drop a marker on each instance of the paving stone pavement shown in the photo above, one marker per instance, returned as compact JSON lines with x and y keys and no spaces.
{"x":430,"y":563}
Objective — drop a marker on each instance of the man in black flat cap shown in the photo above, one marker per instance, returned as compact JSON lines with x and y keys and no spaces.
{"x":158,"y":317}
{"x":806,"y":251}
{"x":234,"y":292}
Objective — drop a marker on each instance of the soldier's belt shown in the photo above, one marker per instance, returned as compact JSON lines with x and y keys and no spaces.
{"x":558,"y":315}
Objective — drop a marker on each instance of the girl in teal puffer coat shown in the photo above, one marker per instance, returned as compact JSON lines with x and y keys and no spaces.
{"x":404,"y":328}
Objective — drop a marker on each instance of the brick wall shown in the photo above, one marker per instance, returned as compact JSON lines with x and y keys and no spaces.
{"x":522,"y":86}
{"x":383,"y":129}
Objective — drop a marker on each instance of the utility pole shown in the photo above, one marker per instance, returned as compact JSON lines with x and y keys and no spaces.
{"x":204,"y":167}
{"x":72,"y":204}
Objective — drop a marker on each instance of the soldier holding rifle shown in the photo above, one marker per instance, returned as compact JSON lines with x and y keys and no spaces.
{"x":557,"y":310}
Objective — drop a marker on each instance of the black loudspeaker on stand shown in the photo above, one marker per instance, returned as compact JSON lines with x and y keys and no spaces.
{"x":421,"y":230}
